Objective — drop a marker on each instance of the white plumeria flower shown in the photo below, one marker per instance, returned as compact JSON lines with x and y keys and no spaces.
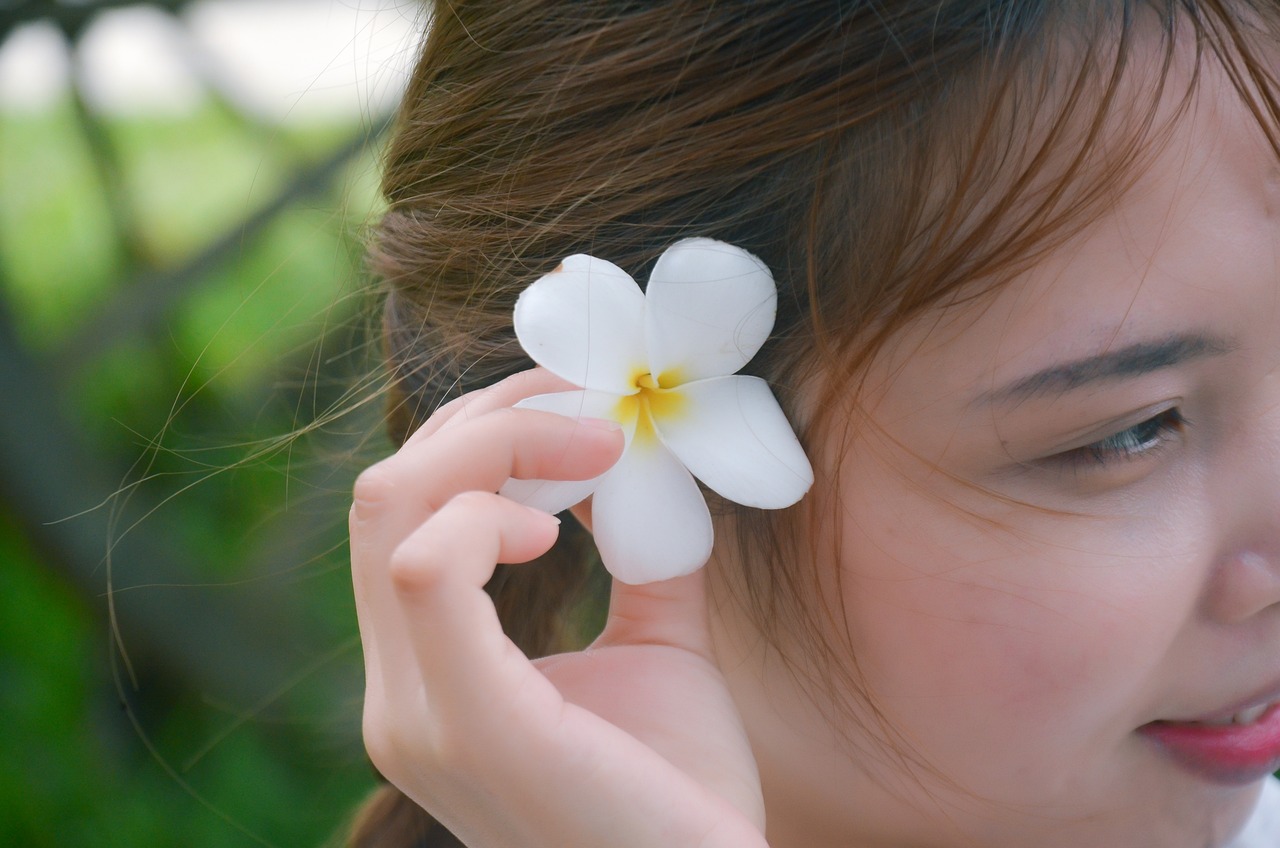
{"x":663,"y":366}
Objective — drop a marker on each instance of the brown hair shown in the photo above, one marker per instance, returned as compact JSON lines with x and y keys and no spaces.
{"x":881,"y":158}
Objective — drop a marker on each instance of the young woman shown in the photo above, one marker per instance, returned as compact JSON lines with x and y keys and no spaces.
{"x":1027,"y":258}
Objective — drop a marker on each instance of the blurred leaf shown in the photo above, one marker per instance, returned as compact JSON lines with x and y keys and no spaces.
{"x":207,"y":408}
{"x":55,"y":231}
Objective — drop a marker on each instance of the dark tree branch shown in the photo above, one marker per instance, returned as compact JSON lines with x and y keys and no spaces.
{"x":71,"y":18}
{"x":235,"y":646}
{"x":238,"y":645}
{"x":138,"y":306}
{"x":106,"y":163}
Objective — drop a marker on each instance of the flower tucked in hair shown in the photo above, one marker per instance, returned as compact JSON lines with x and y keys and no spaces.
{"x":663,"y":365}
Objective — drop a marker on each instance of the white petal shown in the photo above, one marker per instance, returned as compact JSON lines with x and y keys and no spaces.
{"x":558,"y":495}
{"x":551,"y":496}
{"x":585,"y":322}
{"x":649,"y":519}
{"x":731,"y":433}
{"x":709,"y":306}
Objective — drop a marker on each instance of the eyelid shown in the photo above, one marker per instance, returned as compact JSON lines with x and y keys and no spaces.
{"x":1095,"y":432}
{"x":1168,"y":422}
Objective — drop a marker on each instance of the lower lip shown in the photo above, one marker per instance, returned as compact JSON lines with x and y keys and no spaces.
{"x":1232,"y":754}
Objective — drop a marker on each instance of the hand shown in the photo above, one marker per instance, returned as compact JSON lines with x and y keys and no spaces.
{"x":632,"y":742}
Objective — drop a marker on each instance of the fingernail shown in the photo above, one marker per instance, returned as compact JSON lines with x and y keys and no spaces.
{"x":542,"y":515}
{"x":600,"y":423}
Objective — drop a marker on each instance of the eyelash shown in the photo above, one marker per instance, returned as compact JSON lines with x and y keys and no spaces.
{"x":1136,"y":442}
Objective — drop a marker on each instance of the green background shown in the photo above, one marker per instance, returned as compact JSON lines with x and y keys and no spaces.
{"x":179,"y":662}
{"x":210,"y":449}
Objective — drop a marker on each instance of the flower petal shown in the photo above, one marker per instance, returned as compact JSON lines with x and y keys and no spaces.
{"x":585,"y":322}
{"x":709,"y":307}
{"x":731,"y":433}
{"x":558,"y":495}
{"x":649,"y":519}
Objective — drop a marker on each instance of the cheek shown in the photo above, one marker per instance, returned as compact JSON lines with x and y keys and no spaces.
{"x":1003,"y":639}
{"x":974,"y":641}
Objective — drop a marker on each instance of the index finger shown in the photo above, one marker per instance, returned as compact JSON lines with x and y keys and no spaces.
{"x":505,"y":392}
{"x":400,"y":492}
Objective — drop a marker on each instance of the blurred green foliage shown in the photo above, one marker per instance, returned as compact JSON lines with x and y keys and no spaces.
{"x":199,"y":410}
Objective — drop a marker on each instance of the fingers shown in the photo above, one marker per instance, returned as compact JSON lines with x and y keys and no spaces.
{"x":505,"y":392}
{"x":455,"y":715}
{"x":446,"y":670}
{"x":438,"y":574}
{"x":427,"y":594}
{"x":397,"y":494}
{"x":398,"y":498}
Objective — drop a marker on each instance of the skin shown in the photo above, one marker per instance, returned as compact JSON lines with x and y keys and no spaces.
{"x":633,"y":742}
{"x":1015,"y":615}
{"x":1018,"y":610}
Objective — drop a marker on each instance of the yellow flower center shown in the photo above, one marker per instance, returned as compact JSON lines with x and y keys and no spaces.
{"x":657,"y":398}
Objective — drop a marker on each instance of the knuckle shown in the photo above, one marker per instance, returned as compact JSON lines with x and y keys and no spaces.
{"x":391,"y":752}
{"x":377,"y":740}
{"x":420,"y":562}
{"x":413,"y":566}
{"x":396,"y":747}
{"x":372,"y":491}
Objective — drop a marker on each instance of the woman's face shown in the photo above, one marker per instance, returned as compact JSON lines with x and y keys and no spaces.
{"x":1061,"y":527}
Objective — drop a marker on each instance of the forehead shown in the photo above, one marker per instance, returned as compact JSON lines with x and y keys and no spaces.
{"x":1191,"y":243}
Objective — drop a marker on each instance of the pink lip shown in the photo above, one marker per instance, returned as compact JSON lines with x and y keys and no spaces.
{"x":1232,"y":754}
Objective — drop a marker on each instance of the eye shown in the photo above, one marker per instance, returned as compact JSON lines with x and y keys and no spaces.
{"x":1139,"y":441}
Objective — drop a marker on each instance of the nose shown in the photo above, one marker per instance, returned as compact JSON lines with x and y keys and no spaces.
{"x":1246,"y":584}
{"x":1246,"y":578}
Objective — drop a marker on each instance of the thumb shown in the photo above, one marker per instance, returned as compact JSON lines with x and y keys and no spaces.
{"x":669,"y":612}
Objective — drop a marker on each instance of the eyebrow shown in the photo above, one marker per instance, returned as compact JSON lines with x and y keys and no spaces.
{"x":1131,"y":361}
